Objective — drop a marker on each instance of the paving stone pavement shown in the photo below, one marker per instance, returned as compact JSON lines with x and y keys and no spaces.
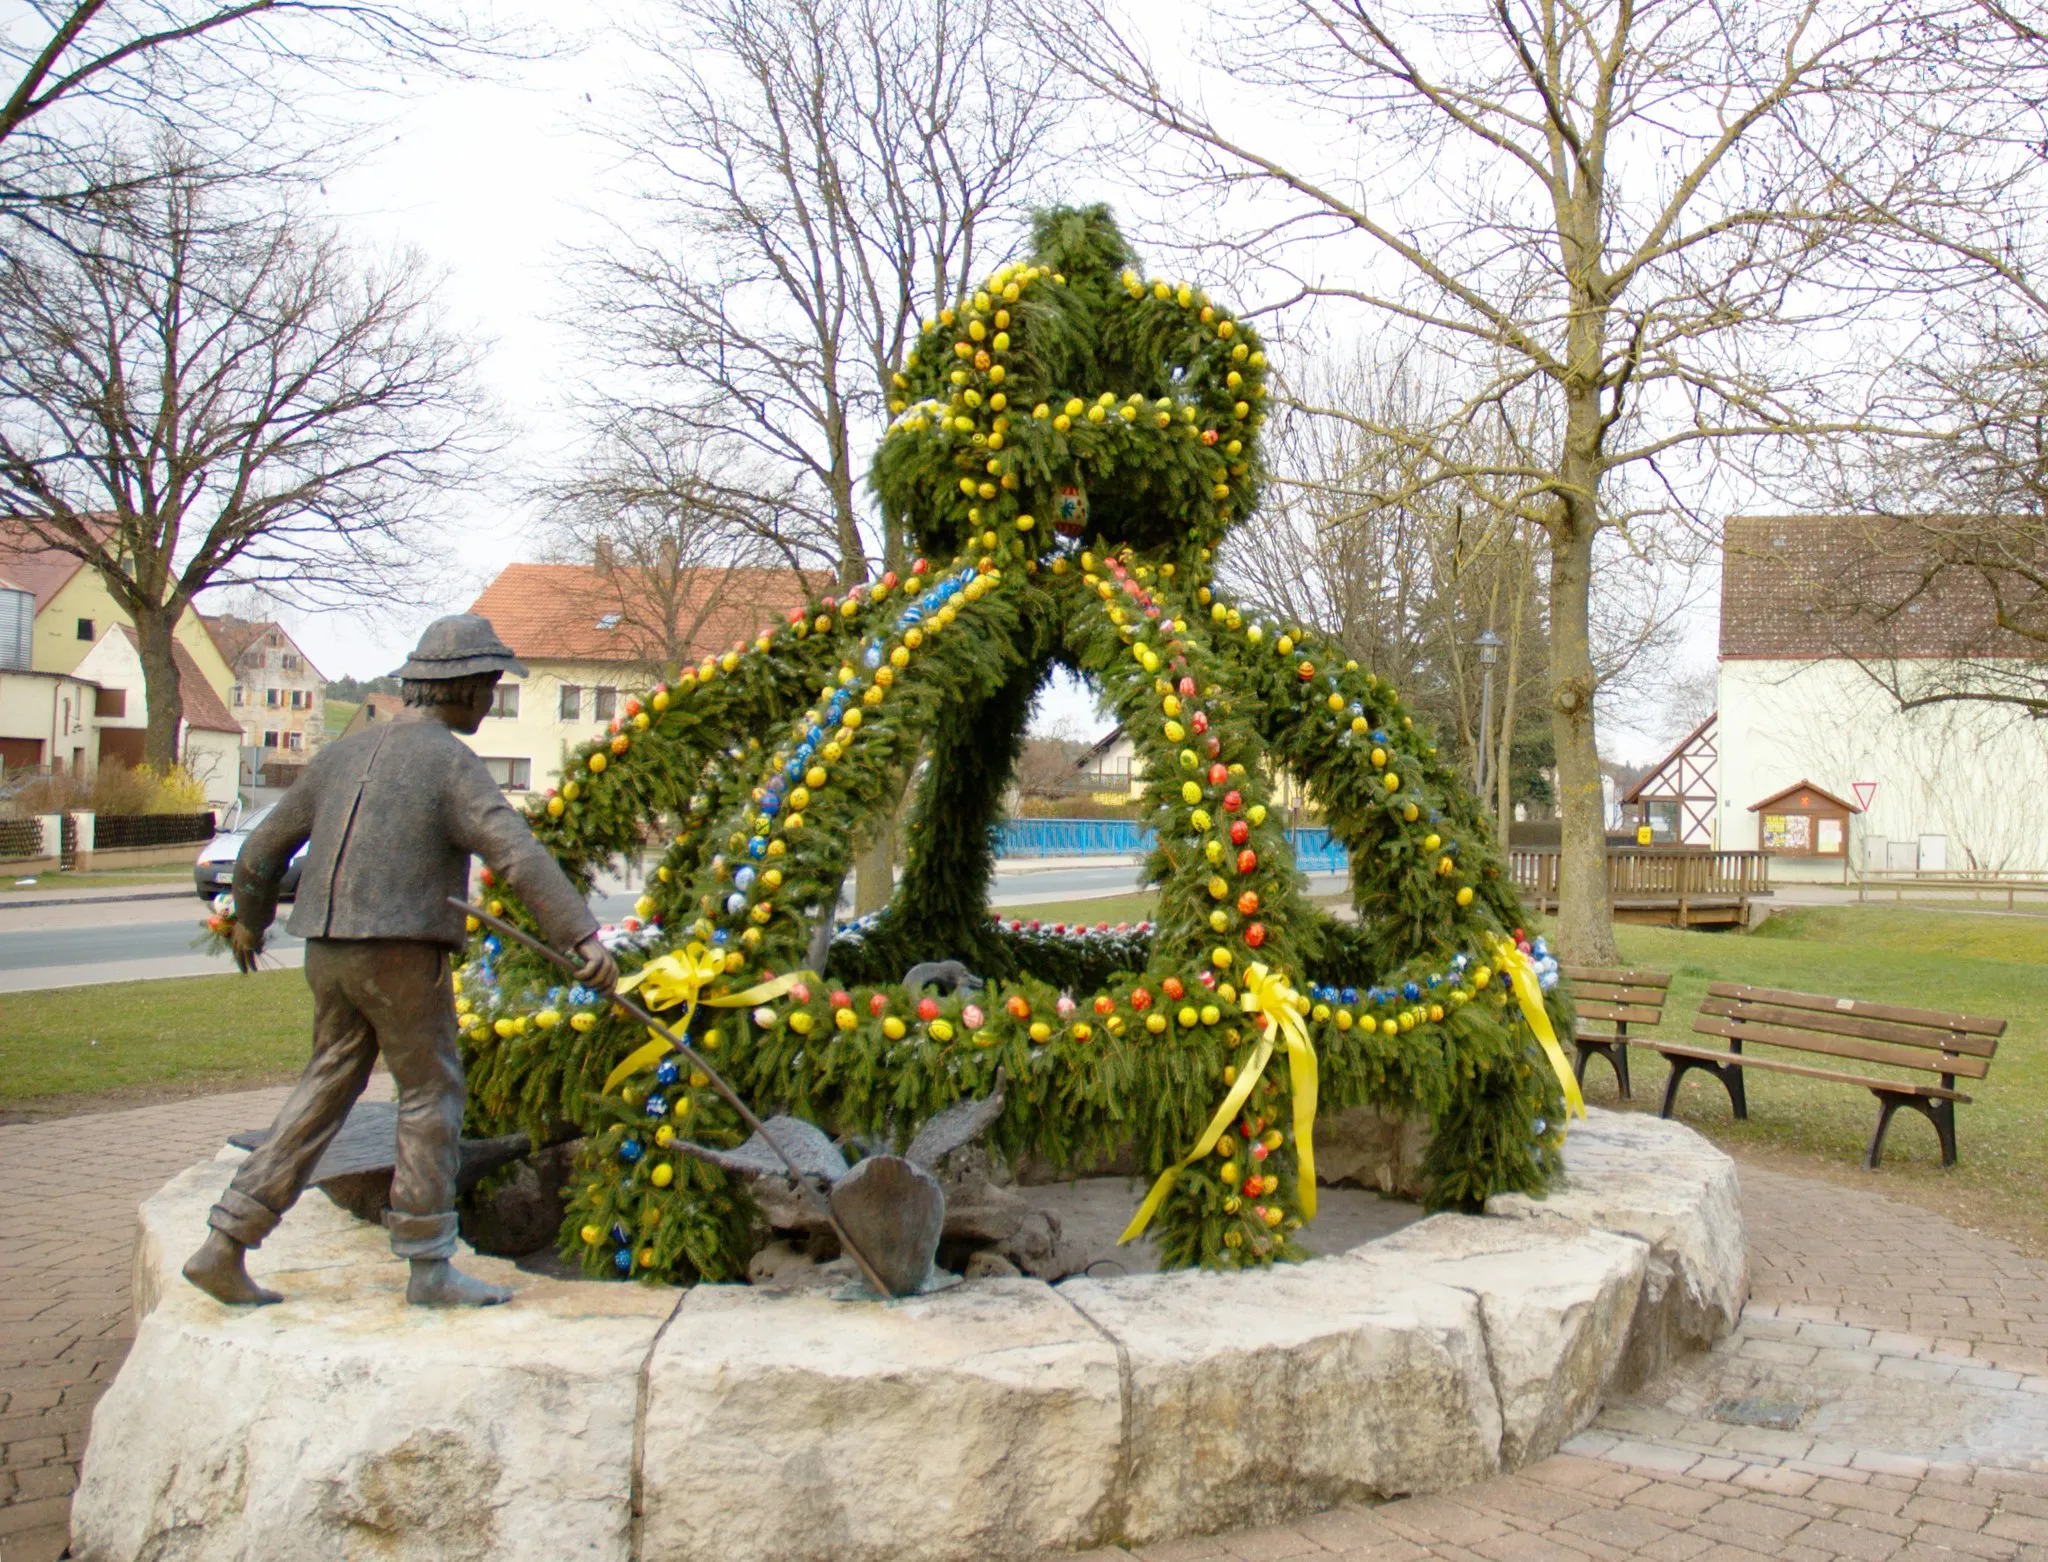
{"x":1885,"y":1397}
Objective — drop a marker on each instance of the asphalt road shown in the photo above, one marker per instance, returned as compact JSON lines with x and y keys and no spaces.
{"x":81,"y":944}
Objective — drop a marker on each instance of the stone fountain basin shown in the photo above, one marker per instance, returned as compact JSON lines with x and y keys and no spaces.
{"x":996,"y":1420}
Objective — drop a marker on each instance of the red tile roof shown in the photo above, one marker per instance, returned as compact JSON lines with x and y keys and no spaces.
{"x":44,"y":571}
{"x":203,"y":708}
{"x":374,"y":707}
{"x":233,"y":637}
{"x":559,"y":612}
{"x":1813,"y":587}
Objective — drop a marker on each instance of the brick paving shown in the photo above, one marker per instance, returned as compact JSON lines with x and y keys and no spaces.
{"x":1886,"y":1396}
{"x":68,"y":1193}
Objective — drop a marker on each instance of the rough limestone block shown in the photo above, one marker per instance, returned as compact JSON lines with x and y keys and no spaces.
{"x":1557,"y":1301}
{"x":1255,"y":1396}
{"x":344,"y":1424}
{"x":1660,"y":1182}
{"x":979,"y":1422}
{"x":1374,"y":1149}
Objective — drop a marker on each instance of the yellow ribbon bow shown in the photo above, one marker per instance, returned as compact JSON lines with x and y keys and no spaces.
{"x":675,"y":979}
{"x":1278,"y":1008}
{"x":1520,"y":971}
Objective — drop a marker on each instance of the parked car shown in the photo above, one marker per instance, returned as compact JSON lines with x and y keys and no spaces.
{"x":215,"y":869}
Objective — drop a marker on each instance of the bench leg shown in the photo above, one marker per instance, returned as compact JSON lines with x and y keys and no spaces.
{"x":1616,"y":1054}
{"x":1729,"y":1074}
{"x":1940,"y":1113}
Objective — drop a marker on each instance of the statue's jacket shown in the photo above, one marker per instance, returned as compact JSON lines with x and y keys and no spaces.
{"x":393,"y":816}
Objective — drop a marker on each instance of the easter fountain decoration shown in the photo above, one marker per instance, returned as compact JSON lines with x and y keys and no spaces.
{"x":1069,"y":446}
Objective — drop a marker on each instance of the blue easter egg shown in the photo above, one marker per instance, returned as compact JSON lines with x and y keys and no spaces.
{"x":622,"y":1260}
{"x":666,"y":1073}
{"x":630,"y":1151}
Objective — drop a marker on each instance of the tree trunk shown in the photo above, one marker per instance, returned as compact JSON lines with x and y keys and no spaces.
{"x":1503,"y":775}
{"x":166,"y":702}
{"x":875,"y":875}
{"x":1585,"y":915}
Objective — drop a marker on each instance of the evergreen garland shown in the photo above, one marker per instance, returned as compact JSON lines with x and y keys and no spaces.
{"x":1068,"y":399}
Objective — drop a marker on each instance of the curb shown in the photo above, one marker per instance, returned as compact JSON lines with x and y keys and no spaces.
{"x":7,"y":903}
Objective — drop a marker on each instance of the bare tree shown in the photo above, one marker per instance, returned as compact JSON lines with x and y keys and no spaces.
{"x":815,"y":172}
{"x":672,"y":528}
{"x":80,"y":77}
{"x":1627,"y":221}
{"x":1398,"y":535}
{"x":204,"y":389}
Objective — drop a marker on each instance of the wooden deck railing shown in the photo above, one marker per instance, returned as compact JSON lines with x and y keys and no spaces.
{"x":1653,"y":873}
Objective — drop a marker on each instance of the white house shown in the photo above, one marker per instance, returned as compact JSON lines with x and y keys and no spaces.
{"x":1808,"y":755}
{"x":209,"y":738}
{"x":584,"y":661}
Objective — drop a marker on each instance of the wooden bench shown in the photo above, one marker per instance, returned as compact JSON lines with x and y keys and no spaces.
{"x":1613,"y":999}
{"x":1954,"y":1046}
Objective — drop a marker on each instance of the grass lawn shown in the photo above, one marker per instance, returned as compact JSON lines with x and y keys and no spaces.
{"x":136,"y":1041}
{"x":111,"y":878}
{"x":1992,"y":965}
{"x":1135,"y":907}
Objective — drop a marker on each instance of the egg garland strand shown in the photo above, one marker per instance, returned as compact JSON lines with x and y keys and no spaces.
{"x":761,"y":768}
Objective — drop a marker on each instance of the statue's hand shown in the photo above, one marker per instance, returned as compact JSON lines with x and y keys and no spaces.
{"x":248,"y":942}
{"x":598,"y":971}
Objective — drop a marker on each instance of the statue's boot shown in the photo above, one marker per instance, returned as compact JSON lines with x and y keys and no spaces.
{"x":437,"y":1283}
{"x":220,"y":1269}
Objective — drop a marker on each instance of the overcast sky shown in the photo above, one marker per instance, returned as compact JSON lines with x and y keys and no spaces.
{"x":495,"y":181}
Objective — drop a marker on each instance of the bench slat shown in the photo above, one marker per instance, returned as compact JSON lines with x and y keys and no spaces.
{"x":1843,"y":1023}
{"x":1625,"y":1013}
{"x":1609,"y":993}
{"x":1615,"y":976}
{"x":1900,"y":1086}
{"x":1937,"y":1019}
{"x":1923,"y":1062}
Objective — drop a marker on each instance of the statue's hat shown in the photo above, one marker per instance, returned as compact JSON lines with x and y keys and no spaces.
{"x":460,"y":646}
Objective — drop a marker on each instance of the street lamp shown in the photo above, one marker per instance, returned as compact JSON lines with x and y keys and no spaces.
{"x":1488,"y":646}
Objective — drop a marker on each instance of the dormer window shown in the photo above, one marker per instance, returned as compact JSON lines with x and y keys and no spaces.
{"x":609,"y":621}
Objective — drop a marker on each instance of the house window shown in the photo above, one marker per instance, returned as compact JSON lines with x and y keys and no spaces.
{"x":505,"y":702}
{"x":85,"y":629}
{"x":291,"y":662}
{"x":571,"y":708}
{"x":302,"y":699}
{"x":270,"y":739}
{"x":237,"y":695}
{"x":607,"y":704}
{"x":273,"y":698}
{"x":111,"y":702}
{"x":295,"y":740}
{"x":512,"y":775}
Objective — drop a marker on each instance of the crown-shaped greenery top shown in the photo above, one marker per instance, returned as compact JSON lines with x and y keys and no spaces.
{"x":1068,"y":394}
{"x":1068,"y":386}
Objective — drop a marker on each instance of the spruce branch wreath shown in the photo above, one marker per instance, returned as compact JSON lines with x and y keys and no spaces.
{"x":1206,"y":1040}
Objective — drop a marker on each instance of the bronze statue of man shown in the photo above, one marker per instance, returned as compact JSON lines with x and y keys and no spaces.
{"x":394,"y":816}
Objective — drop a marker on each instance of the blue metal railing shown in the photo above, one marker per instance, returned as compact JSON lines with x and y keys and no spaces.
{"x":1074,"y":838}
{"x":1315,"y":850}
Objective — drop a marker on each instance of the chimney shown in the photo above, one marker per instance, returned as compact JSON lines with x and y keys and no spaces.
{"x":604,"y":553}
